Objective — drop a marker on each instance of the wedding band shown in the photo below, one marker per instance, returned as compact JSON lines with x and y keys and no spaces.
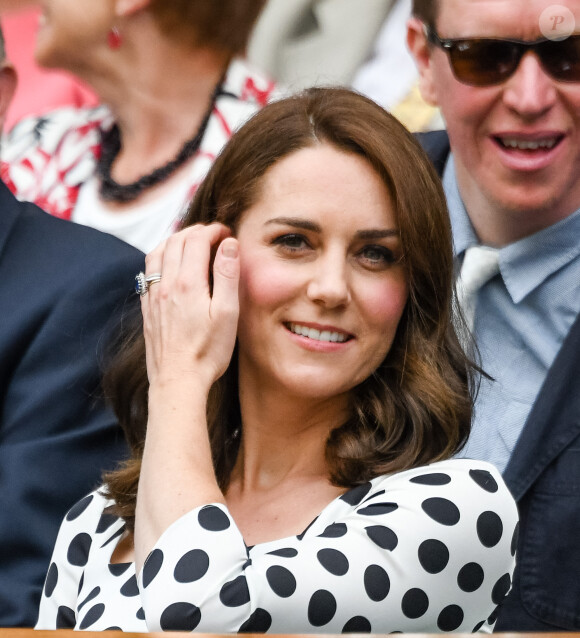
{"x":143,"y":282}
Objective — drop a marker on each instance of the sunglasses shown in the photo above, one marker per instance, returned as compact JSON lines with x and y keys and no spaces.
{"x":489,"y":61}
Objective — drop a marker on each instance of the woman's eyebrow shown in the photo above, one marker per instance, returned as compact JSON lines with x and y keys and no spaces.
{"x":306,"y":224}
{"x":378,"y":233}
{"x":296,"y":222}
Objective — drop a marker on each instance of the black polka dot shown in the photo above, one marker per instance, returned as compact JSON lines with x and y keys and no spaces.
{"x":78,"y":508}
{"x":478,"y":627}
{"x":321,"y":608}
{"x":191,"y":566}
{"x":213,"y":519}
{"x":336,"y":530}
{"x":377,"y":583}
{"x":435,"y":478}
{"x":118,"y":533}
{"x":515,"y":537}
{"x":235,"y":593}
{"x":357,"y":625}
{"x":356,"y":495}
{"x":433,"y":556}
{"x":485,"y":480}
{"x":303,"y":534}
{"x":470,"y":577}
{"x":333,"y":561}
{"x":180,"y":617}
{"x":114,"y":628}
{"x":286,"y":552}
{"x":441,"y":510}
{"x":377,"y":509}
{"x":489,"y":529}
{"x":501,"y":588}
{"x":81,"y":583}
{"x":382,"y":536}
{"x":118,"y":569}
{"x":92,"y":616}
{"x":152,"y":566}
{"x":105,"y":522}
{"x":96,"y":591}
{"x":130,"y":588}
{"x":78,"y":550}
{"x":140,"y":614}
{"x":493,"y":616}
{"x":65,"y":618}
{"x":281,"y":581}
{"x":258,"y":623}
{"x":415,"y":603}
{"x":450,"y":618}
{"x":51,"y":580}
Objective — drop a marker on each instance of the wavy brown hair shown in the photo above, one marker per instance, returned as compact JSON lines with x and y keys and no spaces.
{"x":416,"y":407}
{"x":224,"y":25}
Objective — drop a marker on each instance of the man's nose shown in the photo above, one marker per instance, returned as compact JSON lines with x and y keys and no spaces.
{"x":530,"y":91}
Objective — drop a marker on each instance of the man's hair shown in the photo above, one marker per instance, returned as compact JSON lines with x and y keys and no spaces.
{"x":416,"y":407}
{"x":426,"y":10}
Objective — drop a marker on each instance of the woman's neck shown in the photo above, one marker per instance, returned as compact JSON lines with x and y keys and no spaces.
{"x":284,"y":437}
{"x":159,"y":92}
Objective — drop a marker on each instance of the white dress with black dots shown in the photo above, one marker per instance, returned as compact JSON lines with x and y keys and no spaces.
{"x":425,"y":550}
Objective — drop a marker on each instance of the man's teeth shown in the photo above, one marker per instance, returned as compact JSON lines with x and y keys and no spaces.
{"x":529,"y":145}
{"x":312,"y":333}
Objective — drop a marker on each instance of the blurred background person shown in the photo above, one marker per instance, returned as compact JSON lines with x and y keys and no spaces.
{"x":172,"y":89}
{"x":62,"y":287}
{"x":38,"y":90}
{"x":360,"y":44}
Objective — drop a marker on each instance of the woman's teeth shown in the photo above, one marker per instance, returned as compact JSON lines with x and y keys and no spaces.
{"x":318,"y":335}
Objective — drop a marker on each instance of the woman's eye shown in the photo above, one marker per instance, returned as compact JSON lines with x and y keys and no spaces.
{"x":377,"y":255}
{"x":291,"y":241}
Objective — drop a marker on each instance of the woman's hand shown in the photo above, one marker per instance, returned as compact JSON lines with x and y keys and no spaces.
{"x":190,"y":331}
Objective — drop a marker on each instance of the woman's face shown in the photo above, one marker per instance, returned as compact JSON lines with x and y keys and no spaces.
{"x":70,"y":30}
{"x":322,"y":284}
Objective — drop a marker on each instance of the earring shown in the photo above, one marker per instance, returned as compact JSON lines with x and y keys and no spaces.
{"x":114,"y":38}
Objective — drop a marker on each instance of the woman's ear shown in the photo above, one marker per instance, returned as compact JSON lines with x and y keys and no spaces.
{"x":422,"y":51}
{"x":125,"y":8}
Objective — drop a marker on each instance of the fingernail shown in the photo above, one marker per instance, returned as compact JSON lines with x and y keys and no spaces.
{"x":230,"y":249}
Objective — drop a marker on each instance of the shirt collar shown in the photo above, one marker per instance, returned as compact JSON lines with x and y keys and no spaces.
{"x":526,"y":263}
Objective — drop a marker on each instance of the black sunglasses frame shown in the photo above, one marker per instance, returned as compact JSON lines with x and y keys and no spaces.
{"x":452,"y":46}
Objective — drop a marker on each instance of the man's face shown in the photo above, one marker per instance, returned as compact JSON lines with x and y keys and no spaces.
{"x":516,"y":144}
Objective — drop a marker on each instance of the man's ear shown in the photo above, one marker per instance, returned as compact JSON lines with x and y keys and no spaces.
{"x":8,"y":82}
{"x":422,"y":52}
{"x":125,"y":8}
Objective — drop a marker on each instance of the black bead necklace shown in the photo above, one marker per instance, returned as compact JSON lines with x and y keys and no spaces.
{"x":111,"y":191}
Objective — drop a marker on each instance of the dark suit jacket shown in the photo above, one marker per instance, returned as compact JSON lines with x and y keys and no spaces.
{"x":61,"y":284}
{"x":544,"y":477}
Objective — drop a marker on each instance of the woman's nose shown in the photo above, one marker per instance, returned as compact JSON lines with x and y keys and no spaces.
{"x":329,"y":283}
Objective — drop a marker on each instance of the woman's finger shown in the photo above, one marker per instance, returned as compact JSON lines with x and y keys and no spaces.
{"x":226,"y":275}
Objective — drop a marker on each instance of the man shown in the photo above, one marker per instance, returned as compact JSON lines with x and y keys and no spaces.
{"x":61,"y":285}
{"x":513,"y":185}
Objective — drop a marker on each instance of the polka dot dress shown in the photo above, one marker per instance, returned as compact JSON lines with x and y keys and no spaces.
{"x":425,"y":550}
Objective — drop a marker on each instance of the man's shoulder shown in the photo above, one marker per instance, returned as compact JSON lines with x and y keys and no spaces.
{"x":436,"y":145}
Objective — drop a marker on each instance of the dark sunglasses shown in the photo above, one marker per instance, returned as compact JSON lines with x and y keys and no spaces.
{"x":488,"y":61}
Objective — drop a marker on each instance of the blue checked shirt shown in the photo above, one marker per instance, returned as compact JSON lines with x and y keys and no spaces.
{"x":521,"y":319}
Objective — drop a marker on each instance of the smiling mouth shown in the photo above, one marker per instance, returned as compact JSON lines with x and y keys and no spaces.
{"x":521,"y":144}
{"x":318,"y":335}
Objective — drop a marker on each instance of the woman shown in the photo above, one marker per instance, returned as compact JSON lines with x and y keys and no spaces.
{"x":291,"y":413}
{"x":173,"y":89}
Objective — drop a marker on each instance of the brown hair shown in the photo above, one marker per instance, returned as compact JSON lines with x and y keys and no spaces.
{"x":224,"y":25}
{"x":416,"y":407}
{"x":426,"y":10}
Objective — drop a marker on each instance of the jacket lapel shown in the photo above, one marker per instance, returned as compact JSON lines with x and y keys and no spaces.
{"x":554,"y":420}
{"x":8,"y":215}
